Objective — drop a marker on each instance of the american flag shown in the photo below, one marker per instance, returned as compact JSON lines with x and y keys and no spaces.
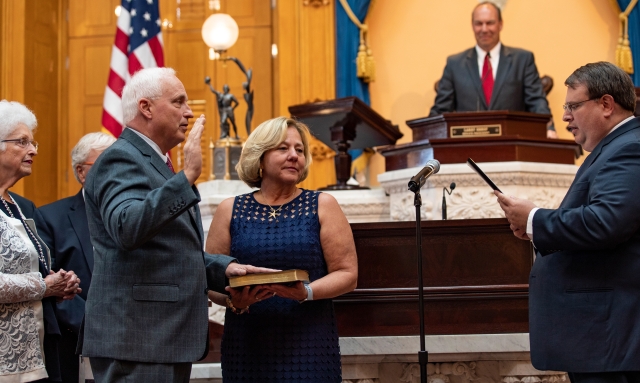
{"x":138,"y":45}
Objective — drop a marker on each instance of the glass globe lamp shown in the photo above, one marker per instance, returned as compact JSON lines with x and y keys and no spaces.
{"x":220,"y":32}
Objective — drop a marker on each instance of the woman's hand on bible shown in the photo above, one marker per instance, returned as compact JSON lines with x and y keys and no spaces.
{"x":295,"y":291}
{"x":248,"y":295}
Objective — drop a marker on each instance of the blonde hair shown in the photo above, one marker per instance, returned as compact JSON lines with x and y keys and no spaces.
{"x":265,"y":137}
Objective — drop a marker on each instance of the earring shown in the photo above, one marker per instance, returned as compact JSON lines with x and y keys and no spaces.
{"x":260,"y":172}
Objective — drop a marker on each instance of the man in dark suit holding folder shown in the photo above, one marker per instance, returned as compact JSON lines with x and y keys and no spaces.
{"x":584,"y":287}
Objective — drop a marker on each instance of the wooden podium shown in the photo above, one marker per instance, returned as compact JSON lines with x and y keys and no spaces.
{"x":338,"y":121}
{"x":489,"y":136}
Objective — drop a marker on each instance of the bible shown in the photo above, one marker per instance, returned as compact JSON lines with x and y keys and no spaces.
{"x":286,"y":276}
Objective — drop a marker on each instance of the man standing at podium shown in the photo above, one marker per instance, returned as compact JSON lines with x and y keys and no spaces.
{"x":491,"y":76}
{"x":584,"y":287}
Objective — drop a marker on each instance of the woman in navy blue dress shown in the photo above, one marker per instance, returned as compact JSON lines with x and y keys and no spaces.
{"x":280,"y":333}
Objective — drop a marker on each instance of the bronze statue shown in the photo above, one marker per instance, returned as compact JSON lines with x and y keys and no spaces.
{"x":248,"y":93}
{"x":227,"y":102}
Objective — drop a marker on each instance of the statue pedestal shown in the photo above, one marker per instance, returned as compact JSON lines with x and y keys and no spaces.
{"x":543,"y":184}
{"x":226,"y":154}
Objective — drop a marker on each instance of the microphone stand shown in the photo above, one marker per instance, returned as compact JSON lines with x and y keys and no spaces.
{"x":423,"y":356}
{"x":444,"y":199}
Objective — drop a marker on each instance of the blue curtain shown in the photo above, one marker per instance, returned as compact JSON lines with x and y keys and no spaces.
{"x":347,"y":43}
{"x":634,"y":38}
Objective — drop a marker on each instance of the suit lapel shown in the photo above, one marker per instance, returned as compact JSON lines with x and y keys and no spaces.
{"x":78,"y":218}
{"x":604,"y":142}
{"x":474,"y":74}
{"x":591,"y":158}
{"x":504,"y":67}
{"x":154,"y":159}
{"x":162,"y":168}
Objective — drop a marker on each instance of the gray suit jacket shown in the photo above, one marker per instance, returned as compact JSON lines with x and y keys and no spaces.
{"x":148,"y":295}
{"x":517,"y":86}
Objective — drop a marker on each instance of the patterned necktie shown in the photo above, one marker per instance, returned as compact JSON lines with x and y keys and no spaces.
{"x":487,"y":79}
{"x":170,"y":165}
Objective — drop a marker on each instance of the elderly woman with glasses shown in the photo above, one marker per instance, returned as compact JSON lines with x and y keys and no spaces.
{"x":290,"y":333}
{"x":28,"y":287}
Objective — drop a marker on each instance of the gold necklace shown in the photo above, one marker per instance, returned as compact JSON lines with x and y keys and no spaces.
{"x":274,"y":213}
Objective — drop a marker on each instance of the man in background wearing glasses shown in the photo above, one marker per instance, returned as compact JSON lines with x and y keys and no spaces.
{"x":584,"y":287}
{"x":65,"y":230}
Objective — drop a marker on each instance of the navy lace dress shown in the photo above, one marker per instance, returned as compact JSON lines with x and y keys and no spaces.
{"x":280,"y":340}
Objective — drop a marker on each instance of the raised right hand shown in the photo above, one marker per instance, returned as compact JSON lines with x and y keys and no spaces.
{"x":193,"y":151}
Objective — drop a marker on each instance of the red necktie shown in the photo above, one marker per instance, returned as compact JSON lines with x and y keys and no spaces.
{"x":170,"y":165}
{"x":487,"y":79}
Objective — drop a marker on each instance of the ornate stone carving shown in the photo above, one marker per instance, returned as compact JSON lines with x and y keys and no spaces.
{"x":478,"y":203}
{"x":402,"y":209}
{"x":365,"y":209}
{"x":315,"y":3}
{"x":545,"y":199}
{"x":510,"y":178}
{"x":440,"y":372}
{"x":556,"y":378}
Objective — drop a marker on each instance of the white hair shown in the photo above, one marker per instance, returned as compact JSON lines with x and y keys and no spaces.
{"x":146,"y":83}
{"x":12,"y":114}
{"x":92,"y":141}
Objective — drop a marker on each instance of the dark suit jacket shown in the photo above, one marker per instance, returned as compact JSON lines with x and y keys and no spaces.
{"x":517,"y":85}
{"x":65,"y":230}
{"x":148,"y":296}
{"x":584,"y":287}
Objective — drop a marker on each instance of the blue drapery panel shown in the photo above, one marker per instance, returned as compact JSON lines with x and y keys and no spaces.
{"x":634,"y":38}
{"x":347,"y":43}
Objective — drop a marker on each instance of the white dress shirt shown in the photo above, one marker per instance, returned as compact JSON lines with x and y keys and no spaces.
{"x":149,"y":141}
{"x":494,"y":58}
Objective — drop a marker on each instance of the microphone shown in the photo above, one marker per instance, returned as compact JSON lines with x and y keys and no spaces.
{"x":417,"y":181}
{"x":444,"y":200}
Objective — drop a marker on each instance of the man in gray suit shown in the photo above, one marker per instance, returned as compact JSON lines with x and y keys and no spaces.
{"x":146,"y":311}
{"x":468,"y":84}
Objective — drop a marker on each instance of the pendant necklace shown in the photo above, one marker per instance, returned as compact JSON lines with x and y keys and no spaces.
{"x":27,"y":228}
{"x":274,"y":213}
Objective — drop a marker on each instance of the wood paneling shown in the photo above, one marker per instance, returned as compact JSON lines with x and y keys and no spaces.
{"x":12,"y":40}
{"x":29,"y":74}
{"x":13,"y":50}
{"x":89,"y":68}
{"x":305,"y":70}
{"x":92,"y":18}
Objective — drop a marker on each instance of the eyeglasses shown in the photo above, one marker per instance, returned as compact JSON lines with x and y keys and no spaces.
{"x":23,"y":142}
{"x":571,"y":106}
